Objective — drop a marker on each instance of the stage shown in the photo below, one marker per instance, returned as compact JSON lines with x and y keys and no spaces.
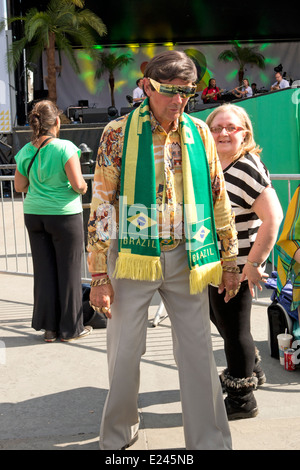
{"x":78,"y":133}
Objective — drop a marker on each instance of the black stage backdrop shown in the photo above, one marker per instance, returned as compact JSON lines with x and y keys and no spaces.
{"x":136,"y":21}
{"x":79,"y":134}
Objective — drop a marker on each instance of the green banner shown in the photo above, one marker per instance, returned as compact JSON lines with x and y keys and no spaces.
{"x":276,"y":127}
{"x":275,"y":120}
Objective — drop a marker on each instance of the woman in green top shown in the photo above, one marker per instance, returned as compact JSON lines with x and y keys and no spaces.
{"x":48,"y":170}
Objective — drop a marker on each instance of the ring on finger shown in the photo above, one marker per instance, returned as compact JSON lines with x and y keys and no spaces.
{"x":237,"y":289}
{"x":104,"y":309}
{"x":232,"y":292}
{"x":96,"y":309}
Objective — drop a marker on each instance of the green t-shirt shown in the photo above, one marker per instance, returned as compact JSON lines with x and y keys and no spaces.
{"x":50,"y":191}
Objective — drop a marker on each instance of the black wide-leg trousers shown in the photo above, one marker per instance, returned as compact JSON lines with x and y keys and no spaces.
{"x":57,"y":244}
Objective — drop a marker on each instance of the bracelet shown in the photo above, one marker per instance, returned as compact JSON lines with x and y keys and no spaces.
{"x":100,"y":282}
{"x":254,"y":264}
{"x":231,"y":269}
{"x":99,"y":274}
{"x":234,"y":258}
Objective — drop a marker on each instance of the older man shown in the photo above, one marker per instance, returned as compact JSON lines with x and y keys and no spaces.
{"x":159,"y":200}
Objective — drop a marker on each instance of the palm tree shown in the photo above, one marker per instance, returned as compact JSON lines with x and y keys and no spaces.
{"x":64,"y":24}
{"x":243,"y":55}
{"x":109,"y":62}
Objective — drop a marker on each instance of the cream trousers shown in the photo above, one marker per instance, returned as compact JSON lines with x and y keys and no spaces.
{"x":204,"y":416}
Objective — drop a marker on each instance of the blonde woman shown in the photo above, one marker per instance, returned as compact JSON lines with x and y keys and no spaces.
{"x":258,"y":215}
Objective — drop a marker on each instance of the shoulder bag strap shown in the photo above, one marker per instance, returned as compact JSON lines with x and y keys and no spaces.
{"x":32,"y":160}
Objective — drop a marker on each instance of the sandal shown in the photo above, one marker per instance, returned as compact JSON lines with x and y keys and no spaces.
{"x":87,"y":330}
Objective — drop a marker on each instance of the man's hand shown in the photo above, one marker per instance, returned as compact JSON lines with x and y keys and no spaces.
{"x":231,"y":283}
{"x":102,"y":297}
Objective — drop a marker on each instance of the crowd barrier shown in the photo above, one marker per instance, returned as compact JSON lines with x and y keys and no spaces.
{"x":15,"y":254}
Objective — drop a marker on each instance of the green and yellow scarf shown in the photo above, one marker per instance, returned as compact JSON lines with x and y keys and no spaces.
{"x":139,"y":242}
{"x":288,"y":244}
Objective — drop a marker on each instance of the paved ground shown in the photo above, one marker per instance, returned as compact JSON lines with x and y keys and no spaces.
{"x":51,"y":395}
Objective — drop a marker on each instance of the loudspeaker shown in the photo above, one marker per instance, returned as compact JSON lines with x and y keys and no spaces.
{"x":83,"y":103}
{"x":94,"y":115}
{"x":125,"y":111}
{"x":40,"y":94}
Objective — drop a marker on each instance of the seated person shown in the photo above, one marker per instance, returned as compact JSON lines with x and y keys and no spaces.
{"x":280,"y":82}
{"x":246,"y":90}
{"x":254,"y":88}
{"x":138,"y":93}
{"x":211,"y":93}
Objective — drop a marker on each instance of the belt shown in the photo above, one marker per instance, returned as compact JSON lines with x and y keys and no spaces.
{"x":171,"y":245}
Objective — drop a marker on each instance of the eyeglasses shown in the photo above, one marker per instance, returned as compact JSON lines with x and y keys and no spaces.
{"x":228,"y":129}
{"x":171,"y":90}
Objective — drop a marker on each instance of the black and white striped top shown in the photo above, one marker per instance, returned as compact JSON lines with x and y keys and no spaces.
{"x":245,"y":179}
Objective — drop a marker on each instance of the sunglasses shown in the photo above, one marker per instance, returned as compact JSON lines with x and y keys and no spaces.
{"x":171,"y":90}
{"x":228,"y":129}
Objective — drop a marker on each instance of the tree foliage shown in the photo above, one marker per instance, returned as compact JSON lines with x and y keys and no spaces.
{"x":108,"y":62}
{"x":64,"y":25}
{"x":243,"y":55}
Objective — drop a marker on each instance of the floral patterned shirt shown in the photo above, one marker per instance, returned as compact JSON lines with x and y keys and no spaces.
{"x":104,"y":216}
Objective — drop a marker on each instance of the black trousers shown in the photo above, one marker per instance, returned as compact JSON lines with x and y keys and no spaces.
{"x":232,"y":320}
{"x":57,"y":244}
